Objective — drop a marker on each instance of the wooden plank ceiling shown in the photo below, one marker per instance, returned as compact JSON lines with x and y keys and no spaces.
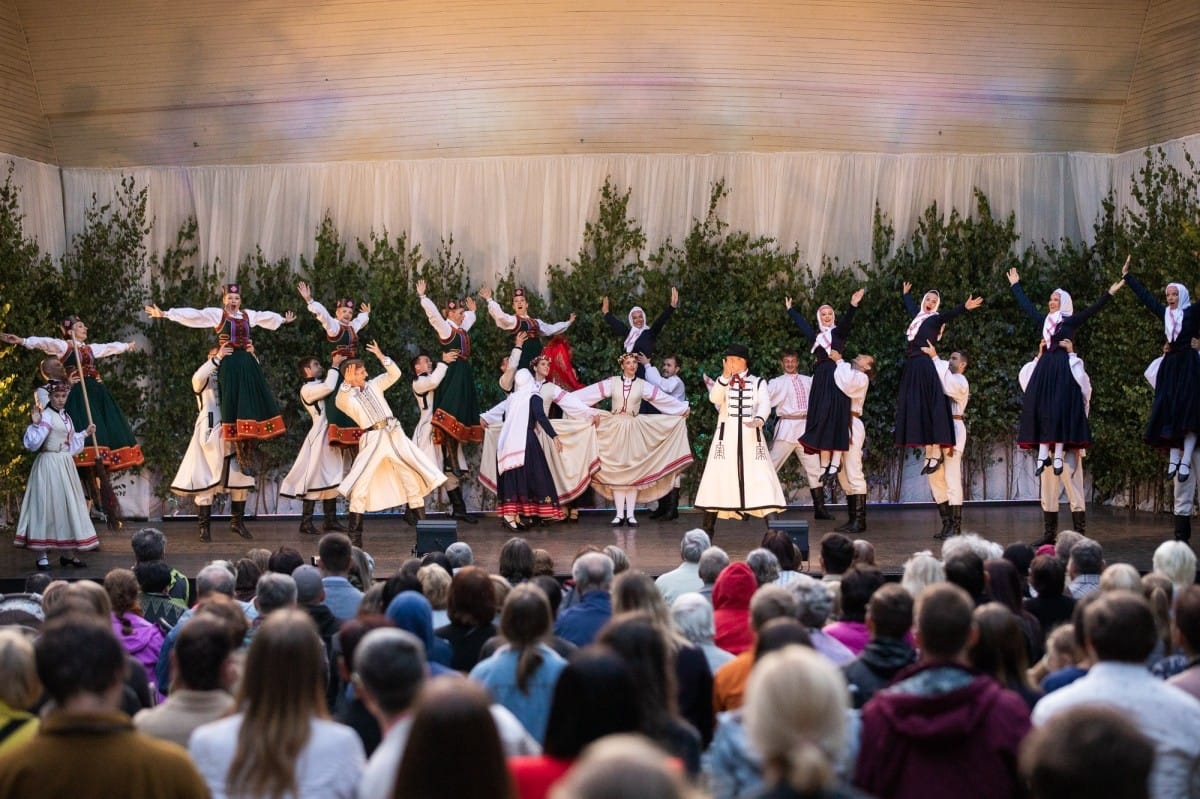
{"x":139,"y":82}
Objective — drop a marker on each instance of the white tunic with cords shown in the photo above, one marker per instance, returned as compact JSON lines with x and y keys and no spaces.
{"x":389,"y":469}
{"x":853,"y":384}
{"x":789,"y":397}
{"x":208,"y":466}
{"x":319,"y":468}
{"x":739,"y":477}
{"x":945,"y":483}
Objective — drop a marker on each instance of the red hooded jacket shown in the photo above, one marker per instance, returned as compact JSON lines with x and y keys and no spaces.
{"x":731,"y":608}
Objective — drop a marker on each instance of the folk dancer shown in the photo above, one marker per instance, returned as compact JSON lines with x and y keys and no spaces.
{"x":638,"y":337}
{"x":320,"y":464}
{"x":341,"y":330}
{"x":1185,"y":490}
{"x":519,"y":321}
{"x":789,"y":394}
{"x":945,"y":481}
{"x":668,"y":380}
{"x":249,"y":411}
{"x":426,"y":380}
{"x":739,"y":478}
{"x":455,"y":418}
{"x":640,"y":454}
{"x":209,"y":466}
{"x":853,"y":378}
{"x":54,"y":514}
{"x":389,"y":469}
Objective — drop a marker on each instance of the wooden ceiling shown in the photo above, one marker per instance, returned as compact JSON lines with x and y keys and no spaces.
{"x":160,"y":82}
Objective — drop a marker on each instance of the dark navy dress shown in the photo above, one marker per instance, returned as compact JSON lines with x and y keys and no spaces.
{"x":828,"y":427}
{"x":923,"y":414}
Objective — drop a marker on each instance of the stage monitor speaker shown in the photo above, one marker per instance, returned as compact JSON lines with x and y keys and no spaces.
{"x":797,"y":530}
{"x":434,"y":535}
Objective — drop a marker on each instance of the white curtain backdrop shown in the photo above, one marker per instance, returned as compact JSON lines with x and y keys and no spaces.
{"x":40,"y":202}
{"x":532,"y":210}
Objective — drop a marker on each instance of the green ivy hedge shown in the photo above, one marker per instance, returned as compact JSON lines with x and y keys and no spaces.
{"x":732,"y":284}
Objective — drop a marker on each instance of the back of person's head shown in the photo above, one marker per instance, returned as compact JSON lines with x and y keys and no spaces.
{"x":335,"y":551}
{"x":274,"y":592}
{"x":692,"y":615}
{"x":79,"y":655}
{"x":228,"y":612}
{"x":553,"y":591}
{"x":864,"y":552}
{"x":453,"y":716}
{"x":436,"y":558}
{"x":985,"y":549}
{"x":516,"y":560}
{"x":1177,"y":561}
{"x":1061,"y":648}
{"x":246,"y":580}
{"x":36,"y":583}
{"x":92,"y":598}
{"x":592,"y":571}
{"x":543,"y":563}
{"x":459,"y":554}
{"x":435,"y":585}
{"x":201,"y":653}
{"x":19,"y":686}
{"x":795,"y":714}
{"x":525,"y":622}
{"x":621,"y":766}
{"x":153,"y":576}
{"x":713,"y":561}
{"x":122,"y":588}
{"x":1065,"y":542}
{"x":771,"y":602}
{"x":281,"y":692}
{"x":965,"y":569}
{"x":261,"y":558}
{"x":944,"y":622}
{"x":1187,"y":619}
{"x":309,"y":586}
{"x":837,"y":553}
{"x":779,"y":633}
{"x":1159,"y":593}
{"x":619,"y":558}
{"x":1020,"y":556}
{"x":1120,"y":627}
{"x":1085,"y":752}
{"x":858,"y":584}
{"x":779,"y":544}
{"x":693,"y":544}
{"x":764,"y":564}
{"x":922,"y":570}
{"x":1120,"y":577}
{"x":215,"y":579}
{"x":352,"y":632}
{"x":634,"y":591}
{"x":594,"y":697}
{"x":1087,"y":557}
{"x":890,"y":611}
{"x":285,"y":560}
{"x":501,"y":588}
{"x":814,"y":601}
{"x":637,"y":640}
{"x":148,"y":544}
{"x":999,"y":648}
{"x":389,"y":664}
{"x":1004,"y":583}
{"x":1048,"y":576}
{"x":472,"y":599}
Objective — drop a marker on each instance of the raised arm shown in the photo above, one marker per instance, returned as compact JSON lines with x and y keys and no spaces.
{"x":51,"y":346}
{"x":188,"y":317}
{"x":1144,"y":296}
{"x":661,"y":322}
{"x":436,"y":320}
{"x":910,"y":304}
{"x":1024,"y":303}
{"x":799,"y":321}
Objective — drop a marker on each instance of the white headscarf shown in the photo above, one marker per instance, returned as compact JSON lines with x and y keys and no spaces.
{"x":922,"y":314}
{"x":1065,"y":308}
{"x":510,"y":451}
{"x":1173,"y":320}
{"x":634,"y":330}
{"x":824,"y":337}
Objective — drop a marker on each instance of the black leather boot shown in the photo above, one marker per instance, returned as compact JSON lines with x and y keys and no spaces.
{"x":944,"y":512}
{"x":237,"y":519}
{"x":355,"y":529}
{"x":956,"y":520}
{"x":458,"y":506}
{"x":1049,"y":528}
{"x":1183,"y":527}
{"x":851,"y":506}
{"x":664,"y":507}
{"x":204,"y":515}
{"x":329,"y":507}
{"x":858,"y":515}
{"x":1079,"y":521}
{"x":709,"y":525}
{"x":306,"y":517}
{"x":818,"y":500}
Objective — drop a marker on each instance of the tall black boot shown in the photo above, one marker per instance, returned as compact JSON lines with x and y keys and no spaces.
{"x":944,"y":512}
{"x":204,"y":515}
{"x":1079,"y":521}
{"x":237,"y":519}
{"x":459,"y":506}
{"x":709,"y":525}
{"x":1049,"y":527}
{"x":355,"y":521}
{"x":860,"y":515}
{"x":851,"y":506}
{"x":673,"y":514}
{"x":306,"y":517}
{"x":329,"y":507}
{"x":1183,"y":527}
{"x":956,"y":520}
{"x":818,"y":499}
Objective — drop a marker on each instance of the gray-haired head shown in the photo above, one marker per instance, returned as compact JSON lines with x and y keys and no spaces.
{"x":592,"y":571}
{"x":814,"y":601}
{"x":274,"y":591}
{"x":309,"y":585}
{"x":712,"y":562}
{"x":215,"y":579}
{"x":693,"y":545}
{"x":390,"y":664}
{"x":1087,"y":557}
{"x":764,"y":564}
{"x":459,"y":554}
{"x":693,"y":615}
{"x":148,"y":543}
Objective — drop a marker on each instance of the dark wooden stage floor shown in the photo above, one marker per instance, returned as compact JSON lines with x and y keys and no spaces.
{"x":896,"y":531}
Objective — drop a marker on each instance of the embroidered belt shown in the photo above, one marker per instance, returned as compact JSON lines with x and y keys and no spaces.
{"x":856,"y":414}
{"x":958,"y":416}
{"x":380,"y":425}
{"x":792,"y":416}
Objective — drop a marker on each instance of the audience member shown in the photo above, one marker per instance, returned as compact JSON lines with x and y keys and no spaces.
{"x":922,"y":570}
{"x":158,"y":607}
{"x":814,"y":606}
{"x":389,"y":672}
{"x":1087,"y":752}
{"x":335,"y":552}
{"x":19,"y":689}
{"x":686,"y":576}
{"x":1050,"y":605}
{"x":713,"y":561}
{"x":623,"y":765}
{"x":864,"y":553}
{"x":593,"y":575}
{"x":889,"y":622}
{"x":764,"y":564}
{"x":141,"y":638}
{"x":435,"y":586}
{"x":965,"y":569}
{"x":731,"y":608}
{"x":693,"y":616}
{"x":1004,"y":587}
{"x":459,"y":554}
{"x":246,"y":574}
{"x":411,"y":612}
{"x":516,"y":561}
{"x":1177,"y":562}
{"x":471,"y":607}
{"x":619,"y":558}
{"x":1084,"y":566}
{"x":857,"y":585}
{"x":729,"y":682}
{"x":543,"y":563}
{"x":284,"y":560}
{"x":1120,"y":577}
{"x":1186,"y":632}
{"x":1060,"y":653}
{"x":150,"y":544}
{"x":1000,"y":650}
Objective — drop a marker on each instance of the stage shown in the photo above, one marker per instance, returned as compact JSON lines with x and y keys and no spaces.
{"x":897,"y":531}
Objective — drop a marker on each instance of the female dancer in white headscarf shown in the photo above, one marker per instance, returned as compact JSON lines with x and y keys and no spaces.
{"x":1053,"y":413}
{"x":525,"y":486}
{"x":1175,"y":414}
